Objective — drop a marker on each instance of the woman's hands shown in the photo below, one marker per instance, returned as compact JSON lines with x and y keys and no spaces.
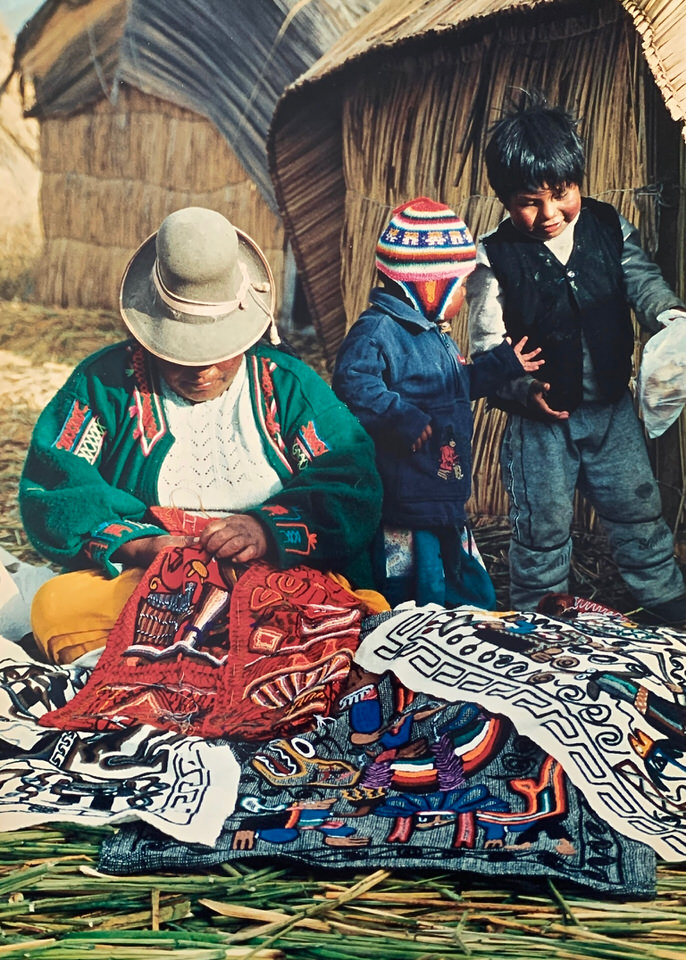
{"x":237,"y":538}
{"x":142,"y":551}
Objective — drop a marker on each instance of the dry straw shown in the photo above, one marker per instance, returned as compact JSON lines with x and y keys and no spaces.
{"x":55,"y":904}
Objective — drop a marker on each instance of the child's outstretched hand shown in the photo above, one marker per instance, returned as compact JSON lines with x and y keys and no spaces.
{"x":529,"y":361}
{"x":538,"y":401}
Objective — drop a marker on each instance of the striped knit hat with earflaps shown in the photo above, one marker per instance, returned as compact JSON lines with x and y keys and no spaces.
{"x":428,"y":250}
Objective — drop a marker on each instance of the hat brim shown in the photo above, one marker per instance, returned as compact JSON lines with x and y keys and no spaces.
{"x":193,"y":340}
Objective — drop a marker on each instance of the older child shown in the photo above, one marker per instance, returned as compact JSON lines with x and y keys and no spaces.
{"x":402,"y":375}
{"x":564,"y":271}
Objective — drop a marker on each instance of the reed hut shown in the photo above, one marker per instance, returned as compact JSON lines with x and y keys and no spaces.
{"x":146,"y":106}
{"x":401,"y":107}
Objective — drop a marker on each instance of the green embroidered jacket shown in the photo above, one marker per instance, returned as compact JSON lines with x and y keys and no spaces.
{"x":92,"y":467}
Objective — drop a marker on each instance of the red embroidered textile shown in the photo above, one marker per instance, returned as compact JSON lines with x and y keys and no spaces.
{"x":256,"y":657}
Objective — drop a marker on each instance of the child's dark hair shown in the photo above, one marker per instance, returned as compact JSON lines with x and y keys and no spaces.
{"x":533,"y":147}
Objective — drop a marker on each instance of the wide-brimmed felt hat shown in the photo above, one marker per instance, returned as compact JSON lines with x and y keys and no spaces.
{"x":197,"y":291}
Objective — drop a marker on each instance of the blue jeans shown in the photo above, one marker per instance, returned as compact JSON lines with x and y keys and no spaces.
{"x":600,"y":450}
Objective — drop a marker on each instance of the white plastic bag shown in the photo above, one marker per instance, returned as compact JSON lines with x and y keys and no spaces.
{"x":661,"y":383}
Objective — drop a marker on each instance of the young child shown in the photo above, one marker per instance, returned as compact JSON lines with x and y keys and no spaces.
{"x":402,"y":375}
{"x":564,"y":271}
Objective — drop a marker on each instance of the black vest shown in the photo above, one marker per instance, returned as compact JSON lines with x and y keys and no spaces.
{"x":552,"y":303}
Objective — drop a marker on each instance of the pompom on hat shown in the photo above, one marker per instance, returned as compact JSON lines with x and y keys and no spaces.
{"x":427,"y":249}
{"x":198,"y":291}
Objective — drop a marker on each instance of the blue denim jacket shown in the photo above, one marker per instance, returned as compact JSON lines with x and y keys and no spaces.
{"x":398,"y":373}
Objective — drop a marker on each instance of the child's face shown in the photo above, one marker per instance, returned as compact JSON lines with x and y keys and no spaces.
{"x":544,"y":214}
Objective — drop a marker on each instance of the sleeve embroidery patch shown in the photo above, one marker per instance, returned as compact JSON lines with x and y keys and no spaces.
{"x":308,"y":444}
{"x":296,"y":535}
{"x":298,"y":538}
{"x":82,"y":433}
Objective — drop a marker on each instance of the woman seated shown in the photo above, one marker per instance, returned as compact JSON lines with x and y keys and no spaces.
{"x":196,"y":416}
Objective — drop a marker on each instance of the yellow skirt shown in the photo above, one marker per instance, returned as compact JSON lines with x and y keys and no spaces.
{"x":74,"y":613}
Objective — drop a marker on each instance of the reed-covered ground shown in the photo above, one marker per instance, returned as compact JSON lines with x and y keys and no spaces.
{"x":55,"y":904}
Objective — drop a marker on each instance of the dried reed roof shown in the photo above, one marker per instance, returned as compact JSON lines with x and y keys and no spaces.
{"x":228,"y":62}
{"x":306,"y":144}
{"x":661,"y":24}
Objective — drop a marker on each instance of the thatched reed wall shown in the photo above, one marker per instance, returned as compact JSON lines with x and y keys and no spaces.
{"x":112,"y":172}
{"x":413,"y":120}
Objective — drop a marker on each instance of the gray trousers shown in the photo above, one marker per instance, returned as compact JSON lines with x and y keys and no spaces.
{"x":602,"y":451}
